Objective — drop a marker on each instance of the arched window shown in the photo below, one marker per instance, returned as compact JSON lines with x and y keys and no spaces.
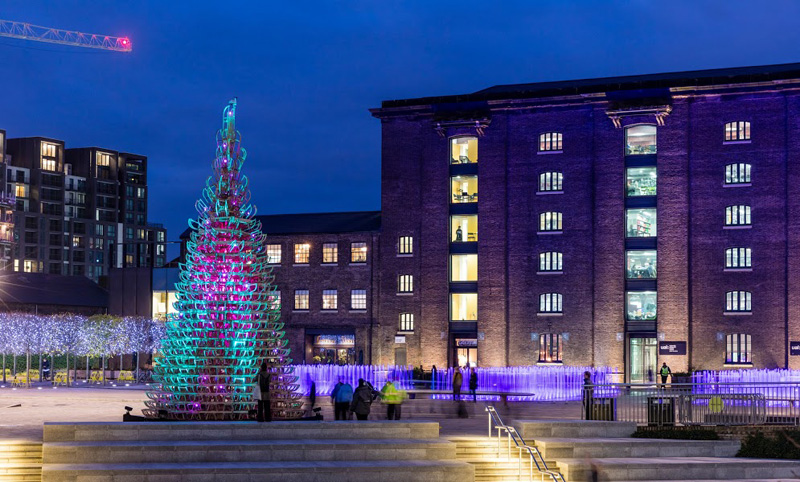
{"x":549,"y":142}
{"x":738,"y":215}
{"x":640,"y":140}
{"x":550,"y":261}
{"x":550,"y":181}
{"x":550,"y":221}
{"x":737,"y":258}
{"x":550,"y":348}
{"x":463,"y":150}
{"x":737,"y":301}
{"x":738,"y":348}
{"x":737,"y":131}
{"x":738,"y":173}
{"x":550,"y":303}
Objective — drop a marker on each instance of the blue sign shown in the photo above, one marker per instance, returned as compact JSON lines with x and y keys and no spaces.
{"x":794,"y":348}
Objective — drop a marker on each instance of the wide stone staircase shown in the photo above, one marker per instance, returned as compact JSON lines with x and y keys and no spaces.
{"x":492,"y":462}
{"x":20,"y":460}
{"x":248,"y":451}
{"x":577,"y":447}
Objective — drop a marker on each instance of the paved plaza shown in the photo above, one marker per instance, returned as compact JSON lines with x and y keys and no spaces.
{"x":23,"y":411}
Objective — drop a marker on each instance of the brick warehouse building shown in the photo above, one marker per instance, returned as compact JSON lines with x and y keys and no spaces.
{"x":614,"y":214}
{"x":621,"y":222}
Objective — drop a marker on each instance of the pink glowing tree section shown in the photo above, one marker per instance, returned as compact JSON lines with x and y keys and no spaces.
{"x":227,"y":322}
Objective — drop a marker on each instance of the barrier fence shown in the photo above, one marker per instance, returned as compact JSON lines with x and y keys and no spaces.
{"x":721,"y":403}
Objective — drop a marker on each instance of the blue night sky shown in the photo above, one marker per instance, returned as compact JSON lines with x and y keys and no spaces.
{"x":306,"y":73}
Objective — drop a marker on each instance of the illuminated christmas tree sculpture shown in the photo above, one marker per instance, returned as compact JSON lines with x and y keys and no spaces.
{"x":227,"y":322}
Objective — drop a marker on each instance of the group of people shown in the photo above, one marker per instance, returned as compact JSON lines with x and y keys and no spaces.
{"x":359,"y":402}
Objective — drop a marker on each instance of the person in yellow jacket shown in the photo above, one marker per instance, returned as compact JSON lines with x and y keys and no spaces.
{"x":393,"y":398}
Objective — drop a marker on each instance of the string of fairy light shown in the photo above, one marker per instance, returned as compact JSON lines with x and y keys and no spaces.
{"x":58,"y":334}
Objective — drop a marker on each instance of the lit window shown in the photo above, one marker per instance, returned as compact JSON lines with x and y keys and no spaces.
{"x":48,"y":164}
{"x":738,"y":348}
{"x":550,"y":348}
{"x":301,"y":252}
{"x":640,"y":223}
{"x":550,"y":141}
{"x":640,"y":140}
{"x":463,"y":150}
{"x":550,"y":181}
{"x":550,"y":303}
{"x":640,"y":264}
{"x":140,"y":192}
{"x":463,"y":306}
{"x":300,"y":299}
{"x":550,"y":221}
{"x":738,"y":301}
{"x":406,"y":321}
{"x":641,"y":305}
{"x":405,"y":283}
{"x":738,"y":173}
{"x":275,"y":300}
{"x":463,"y":267}
{"x":358,"y":252}
{"x":737,"y":258}
{"x":464,"y":228}
{"x":77,"y":241}
{"x":330,"y":253}
{"x":128,"y":260}
{"x":405,"y":245}
{"x":140,"y":234}
{"x":464,"y":189}
{"x":737,"y":131}
{"x":29,"y":266}
{"x":550,"y":261}
{"x":330,"y":300}
{"x":737,"y":215}
{"x":640,"y":181}
{"x":274,"y":253}
{"x":103,"y":159}
{"x":20,"y":191}
{"x":358,"y":299}
{"x":48,"y":150}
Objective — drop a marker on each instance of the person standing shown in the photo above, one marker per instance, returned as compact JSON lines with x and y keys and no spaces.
{"x":588,"y":394}
{"x":473,"y":384}
{"x":664,"y":372}
{"x":341,"y":397}
{"x":362,"y":400}
{"x":393,"y":399}
{"x":261,"y":394}
{"x":458,"y":380}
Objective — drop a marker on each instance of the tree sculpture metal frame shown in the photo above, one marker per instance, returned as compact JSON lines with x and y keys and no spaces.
{"x":227,"y":321}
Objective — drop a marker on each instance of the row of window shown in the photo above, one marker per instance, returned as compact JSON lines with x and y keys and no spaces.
{"x":642,"y":263}
{"x":641,"y":305}
{"x":330,"y":253}
{"x":330,"y":300}
{"x":738,"y":348}
{"x":639,"y":139}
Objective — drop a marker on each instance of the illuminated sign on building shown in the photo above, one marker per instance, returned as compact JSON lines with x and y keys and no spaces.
{"x":335,"y":340}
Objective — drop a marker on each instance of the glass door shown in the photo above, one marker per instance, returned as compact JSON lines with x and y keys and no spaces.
{"x":642,"y":360}
{"x":467,"y":357}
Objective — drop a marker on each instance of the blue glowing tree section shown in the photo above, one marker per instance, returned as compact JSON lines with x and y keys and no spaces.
{"x":226,"y":323}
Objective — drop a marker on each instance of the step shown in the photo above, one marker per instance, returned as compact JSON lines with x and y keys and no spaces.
{"x":679,"y":468}
{"x":385,"y":471}
{"x":536,"y":429}
{"x":191,"y":451}
{"x":164,"y":431}
{"x":568,"y":448}
{"x":20,"y":468}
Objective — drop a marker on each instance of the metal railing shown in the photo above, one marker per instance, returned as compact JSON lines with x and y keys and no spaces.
{"x":728,"y":403}
{"x":534,"y":456}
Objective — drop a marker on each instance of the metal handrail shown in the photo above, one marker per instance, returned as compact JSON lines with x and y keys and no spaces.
{"x":495,"y":422}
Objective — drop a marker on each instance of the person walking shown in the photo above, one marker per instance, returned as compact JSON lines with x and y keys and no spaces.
{"x":341,"y":397}
{"x":473,"y":384}
{"x":393,"y":399}
{"x":261,"y":394}
{"x":458,"y":380}
{"x":664,"y":372}
{"x":588,"y":394}
{"x":362,"y":399}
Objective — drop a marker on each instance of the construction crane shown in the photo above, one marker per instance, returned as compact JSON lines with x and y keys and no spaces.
{"x":27,"y":31}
